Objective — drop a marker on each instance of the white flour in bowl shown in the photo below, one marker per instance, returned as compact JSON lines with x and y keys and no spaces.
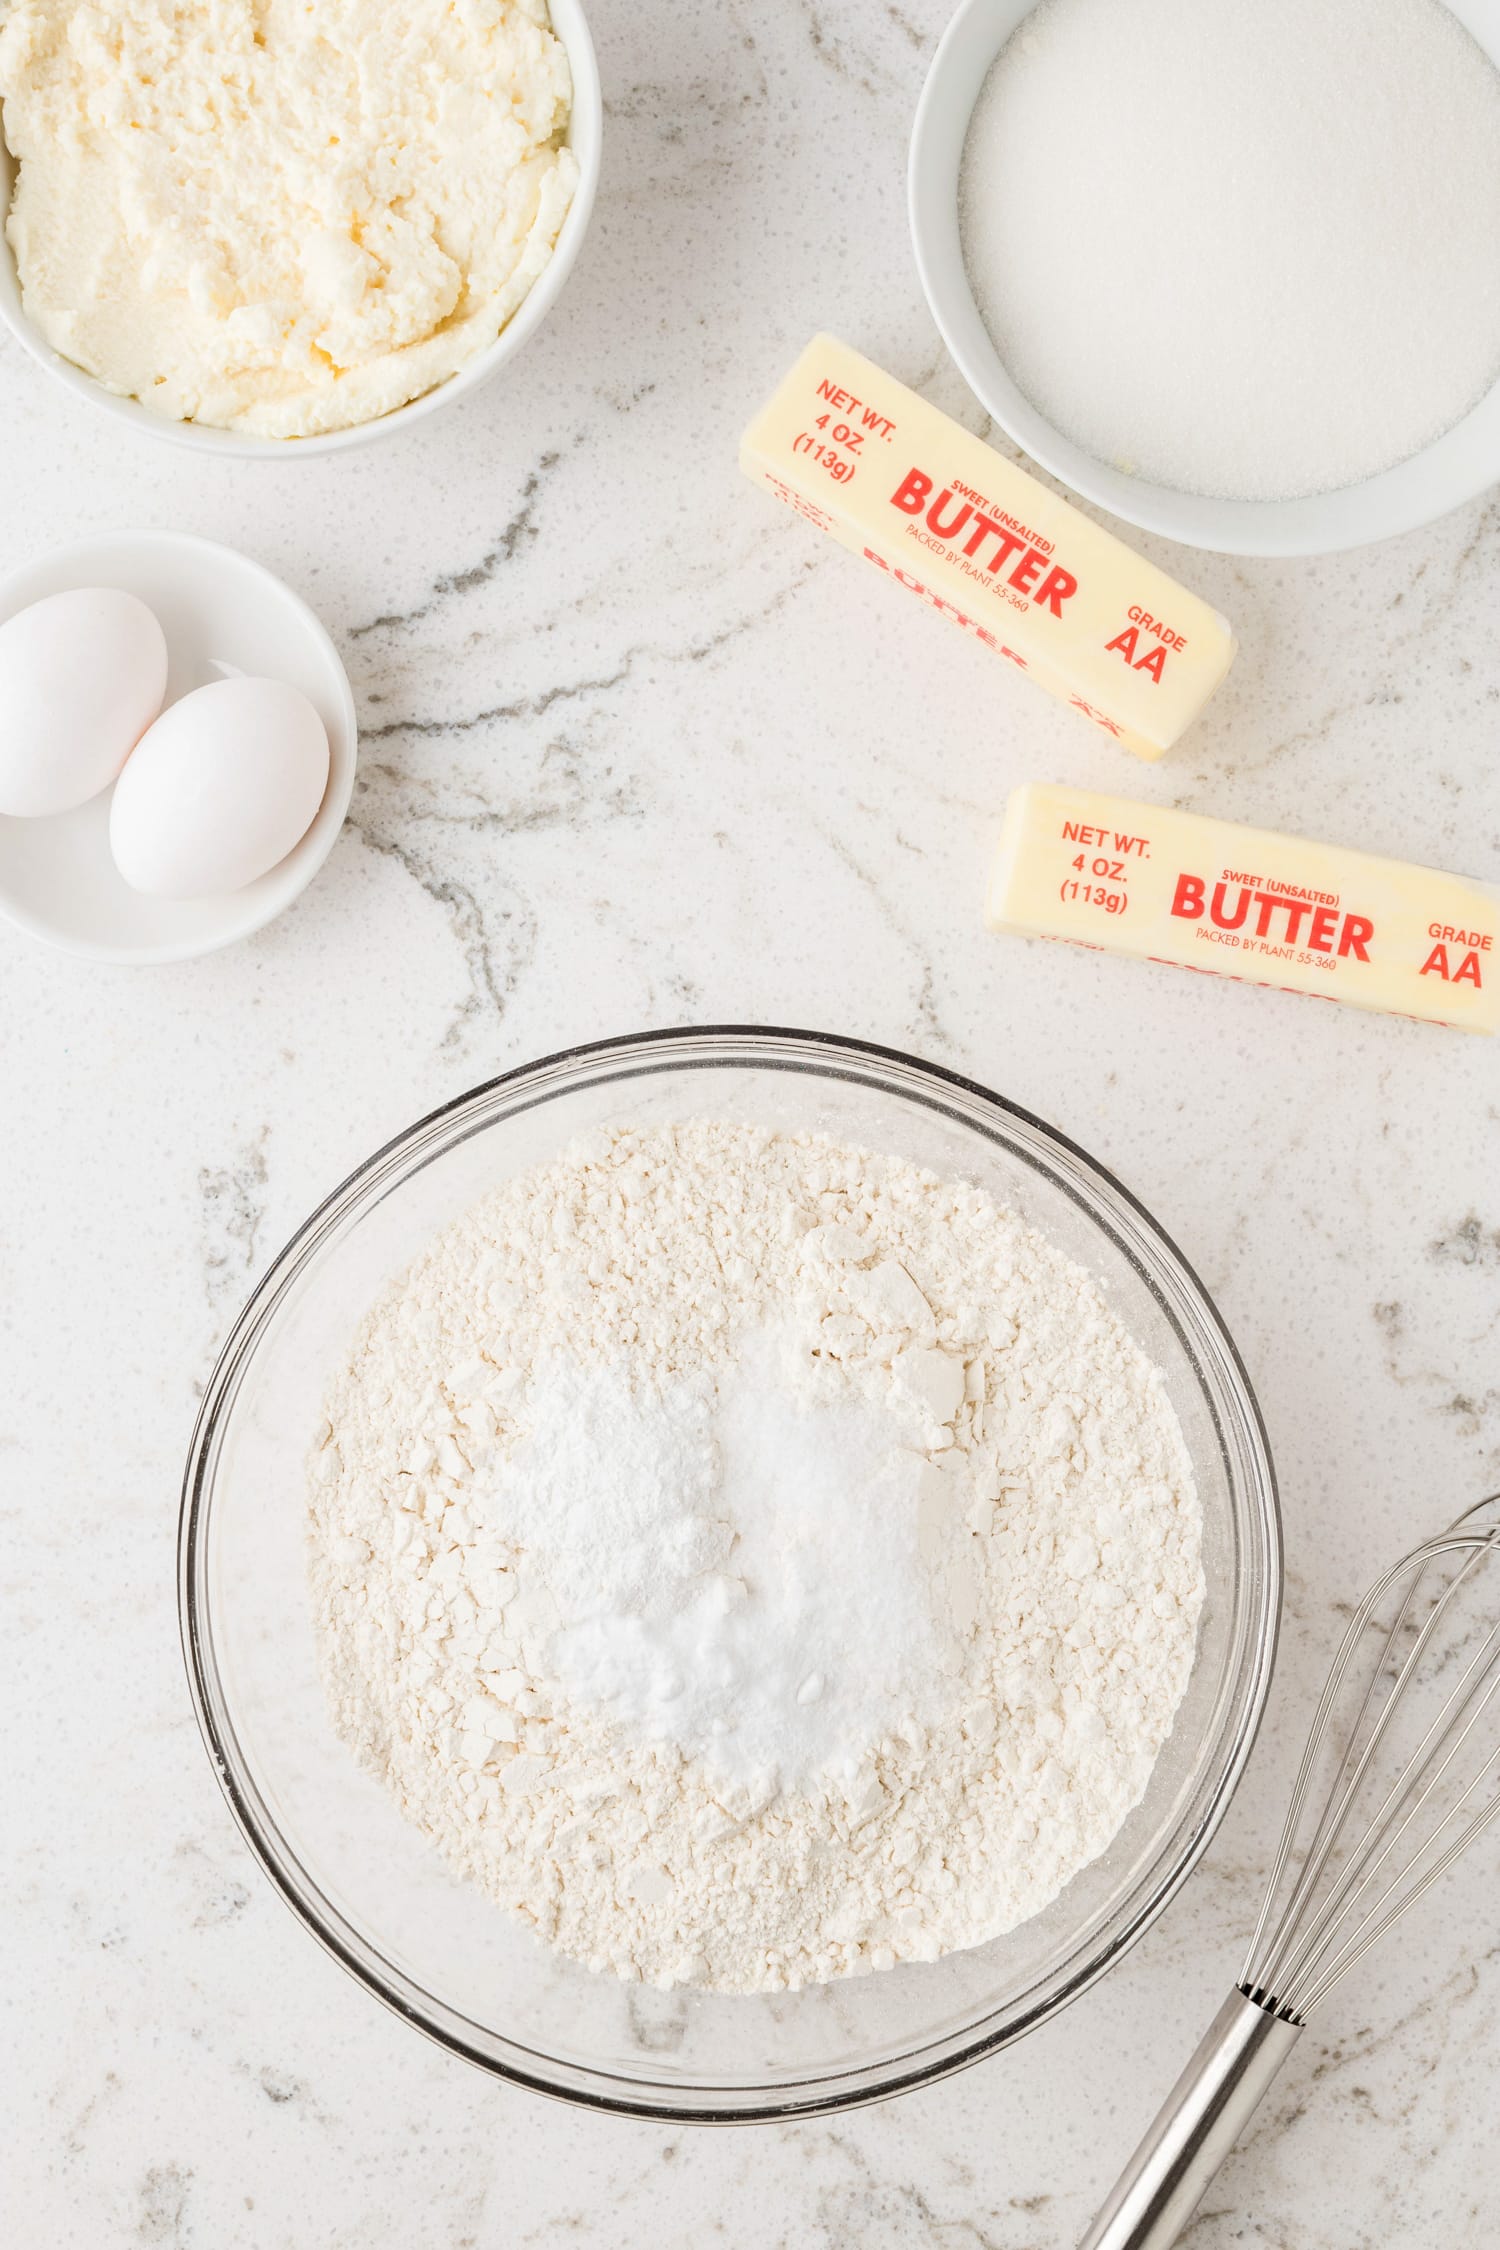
{"x":753,"y":1560}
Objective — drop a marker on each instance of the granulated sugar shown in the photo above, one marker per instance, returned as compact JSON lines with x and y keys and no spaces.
{"x":1242,"y":250}
{"x":753,"y":1560}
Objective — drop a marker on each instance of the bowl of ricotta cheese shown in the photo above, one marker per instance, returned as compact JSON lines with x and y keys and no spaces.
{"x":728,"y":1573}
{"x":282,"y":230}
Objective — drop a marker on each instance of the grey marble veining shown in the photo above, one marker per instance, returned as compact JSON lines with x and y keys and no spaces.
{"x":637,"y":750}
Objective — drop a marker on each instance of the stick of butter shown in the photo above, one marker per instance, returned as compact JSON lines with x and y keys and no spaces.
{"x":1245,"y":903}
{"x":947,"y":517}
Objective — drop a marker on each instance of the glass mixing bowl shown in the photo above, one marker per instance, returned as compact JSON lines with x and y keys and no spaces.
{"x":379,"y":1897}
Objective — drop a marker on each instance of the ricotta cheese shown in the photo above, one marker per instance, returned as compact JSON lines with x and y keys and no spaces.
{"x":281,"y":216}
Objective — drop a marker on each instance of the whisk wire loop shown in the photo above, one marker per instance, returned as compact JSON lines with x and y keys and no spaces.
{"x":1362,"y":1940}
{"x":1261,"y":1969}
{"x":1408,"y":1798}
{"x":1303,"y":1943}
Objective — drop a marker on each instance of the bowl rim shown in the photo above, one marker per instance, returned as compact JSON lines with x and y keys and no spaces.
{"x":1451,"y":470}
{"x":584,"y":137}
{"x":601,"y":2093}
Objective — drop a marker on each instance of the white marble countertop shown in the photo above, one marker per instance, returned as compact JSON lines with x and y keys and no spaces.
{"x":638,"y":749}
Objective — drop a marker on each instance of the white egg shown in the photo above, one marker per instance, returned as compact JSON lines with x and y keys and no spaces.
{"x":82,"y":675}
{"x":219,"y":790}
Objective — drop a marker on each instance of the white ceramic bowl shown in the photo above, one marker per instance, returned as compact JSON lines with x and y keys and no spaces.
{"x":1454,"y":468}
{"x":218,"y":609}
{"x":584,"y":138}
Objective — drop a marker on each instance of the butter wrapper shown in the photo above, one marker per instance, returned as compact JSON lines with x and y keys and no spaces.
{"x":983,"y":544}
{"x":1241,"y":902}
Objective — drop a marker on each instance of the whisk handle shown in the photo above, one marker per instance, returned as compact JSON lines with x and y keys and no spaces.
{"x":1198,"y":2124}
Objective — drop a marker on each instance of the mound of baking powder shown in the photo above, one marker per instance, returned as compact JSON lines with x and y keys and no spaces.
{"x":696,"y":1544}
{"x":753,"y":1560}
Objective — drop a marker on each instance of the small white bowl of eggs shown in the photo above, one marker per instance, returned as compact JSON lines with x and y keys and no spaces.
{"x":177,"y":747}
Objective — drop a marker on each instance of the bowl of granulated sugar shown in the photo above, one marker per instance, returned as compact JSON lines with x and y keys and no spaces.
{"x":1228,"y":272}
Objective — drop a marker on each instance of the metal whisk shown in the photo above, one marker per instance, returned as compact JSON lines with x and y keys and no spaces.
{"x":1415,"y":1755}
